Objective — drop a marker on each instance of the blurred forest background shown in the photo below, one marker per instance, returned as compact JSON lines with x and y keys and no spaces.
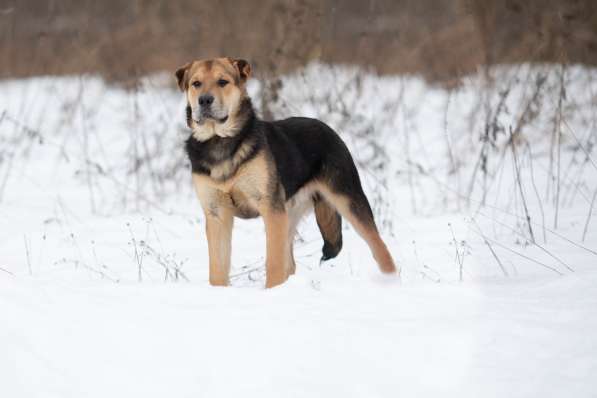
{"x":438,"y":39}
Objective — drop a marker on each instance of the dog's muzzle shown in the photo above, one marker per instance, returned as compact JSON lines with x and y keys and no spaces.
{"x":206,"y":112}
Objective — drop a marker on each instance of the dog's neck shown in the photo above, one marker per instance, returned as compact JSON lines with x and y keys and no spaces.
{"x":206,"y":155}
{"x":245,"y":118}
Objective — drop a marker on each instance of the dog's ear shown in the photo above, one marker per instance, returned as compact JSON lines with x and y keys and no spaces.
{"x":243,"y":67}
{"x":182,"y":75}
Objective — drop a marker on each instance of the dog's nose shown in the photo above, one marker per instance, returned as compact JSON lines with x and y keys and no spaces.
{"x":206,"y":100}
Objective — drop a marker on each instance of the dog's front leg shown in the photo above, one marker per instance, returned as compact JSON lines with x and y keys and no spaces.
{"x":219,"y":235}
{"x":276,"y":233}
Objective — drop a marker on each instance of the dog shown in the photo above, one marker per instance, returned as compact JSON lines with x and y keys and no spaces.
{"x":246,"y":167}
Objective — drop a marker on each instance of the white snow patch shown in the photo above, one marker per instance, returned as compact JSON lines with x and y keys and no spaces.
{"x":97,"y":218}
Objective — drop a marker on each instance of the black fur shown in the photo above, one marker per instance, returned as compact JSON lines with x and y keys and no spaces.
{"x":205,"y":155}
{"x":330,"y":250}
{"x":331,"y":229}
{"x":307,"y":149}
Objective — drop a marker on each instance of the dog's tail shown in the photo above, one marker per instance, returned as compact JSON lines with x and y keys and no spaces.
{"x":330,"y":226}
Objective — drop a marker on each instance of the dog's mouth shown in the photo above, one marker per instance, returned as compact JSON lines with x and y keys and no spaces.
{"x":208,"y":116}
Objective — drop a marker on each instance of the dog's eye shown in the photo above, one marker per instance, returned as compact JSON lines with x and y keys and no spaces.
{"x":222,"y":82}
{"x":197,"y":84}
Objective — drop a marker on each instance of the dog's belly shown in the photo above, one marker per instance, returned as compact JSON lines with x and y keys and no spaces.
{"x":242,"y":206}
{"x":297,"y":206}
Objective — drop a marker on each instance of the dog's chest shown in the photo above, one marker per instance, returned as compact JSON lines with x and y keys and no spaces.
{"x":244,"y":190}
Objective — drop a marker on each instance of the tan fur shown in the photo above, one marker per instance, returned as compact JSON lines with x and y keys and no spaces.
{"x":327,"y":220}
{"x":228,"y":97}
{"x":219,"y":236}
{"x":368,"y":232}
{"x":251,"y":183}
{"x":277,"y":255}
{"x":251,"y":179}
{"x":225,"y":169}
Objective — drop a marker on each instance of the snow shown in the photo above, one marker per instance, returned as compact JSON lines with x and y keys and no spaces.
{"x":352,"y":337}
{"x":103,"y":261}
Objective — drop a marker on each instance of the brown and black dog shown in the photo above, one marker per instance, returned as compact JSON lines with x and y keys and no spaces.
{"x":246,"y":167}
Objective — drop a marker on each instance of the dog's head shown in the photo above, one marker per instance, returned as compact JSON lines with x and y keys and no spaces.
{"x":215,"y":90}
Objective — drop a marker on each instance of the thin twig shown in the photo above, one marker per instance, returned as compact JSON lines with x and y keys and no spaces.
{"x":459,"y":257}
{"x":523,"y":256}
{"x":27,"y":254}
{"x":517,"y":169}
{"x":497,"y":259}
{"x":539,"y":201}
{"x":584,"y":233}
{"x":558,"y":132}
{"x":537,"y":245}
{"x":587,"y":154}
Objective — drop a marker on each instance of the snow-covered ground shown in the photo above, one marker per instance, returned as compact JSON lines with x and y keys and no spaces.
{"x":103,"y":259}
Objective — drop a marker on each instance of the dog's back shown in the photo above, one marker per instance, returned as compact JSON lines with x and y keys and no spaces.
{"x":307,"y":152}
{"x":305,"y":149}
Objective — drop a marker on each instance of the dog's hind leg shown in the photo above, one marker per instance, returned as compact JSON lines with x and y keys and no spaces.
{"x":353,"y":205}
{"x":329,"y":222}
